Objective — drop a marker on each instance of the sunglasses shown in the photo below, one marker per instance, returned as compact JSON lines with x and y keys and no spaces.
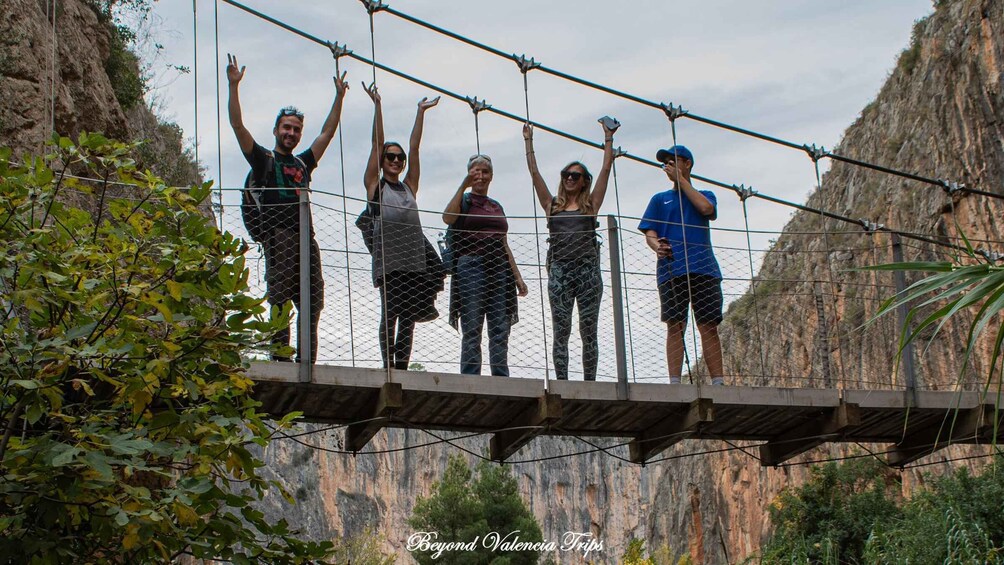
{"x":573,"y":175}
{"x":478,"y":157}
{"x":391,"y":157}
{"x":290,"y":111}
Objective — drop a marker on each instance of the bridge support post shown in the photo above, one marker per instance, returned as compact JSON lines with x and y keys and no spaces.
{"x":303,"y":345}
{"x":906,"y":359}
{"x":674,"y":428}
{"x":527,"y":426}
{"x":387,"y":401}
{"x":827,"y":427}
{"x":962,"y":426}
{"x":618,"y":305}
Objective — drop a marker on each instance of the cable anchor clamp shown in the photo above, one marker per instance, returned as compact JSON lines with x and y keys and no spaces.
{"x":618,"y":152}
{"x":992,"y":257}
{"x":672,"y":111}
{"x":525,"y":65}
{"x":744,"y":192}
{"x":373,"y":6}
{"x":339,"y":51}
{"x":815,"y":153}
{"x":870,"y":226}
{"x":951,"y":187}
{"x":477,"y":106}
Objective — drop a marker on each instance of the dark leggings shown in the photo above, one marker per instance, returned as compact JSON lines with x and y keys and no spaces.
{"x":394,"y":314}
{"x":400,"y":352}
{"x":282,"y":275}
{"x":570,"y":283}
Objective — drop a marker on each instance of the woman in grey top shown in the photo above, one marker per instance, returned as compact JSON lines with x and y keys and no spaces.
{"x":573,"y":259}
{"x":399,"y":258}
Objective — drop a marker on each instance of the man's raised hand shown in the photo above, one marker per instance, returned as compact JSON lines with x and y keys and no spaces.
{"x":234,"y":75}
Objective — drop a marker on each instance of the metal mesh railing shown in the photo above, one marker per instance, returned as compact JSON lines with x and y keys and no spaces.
{"x":807,"y":324}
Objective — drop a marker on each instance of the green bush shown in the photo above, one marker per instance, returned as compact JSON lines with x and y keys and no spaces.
{"x":956,"y":520}
{"x":467,"y":507}
{"x":829,"y":518}
{"x":125,"y":410}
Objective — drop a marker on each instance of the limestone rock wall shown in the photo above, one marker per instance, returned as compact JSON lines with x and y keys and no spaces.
{"x":940,"y":114}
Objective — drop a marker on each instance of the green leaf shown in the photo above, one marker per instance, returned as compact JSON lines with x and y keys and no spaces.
{"x":62,"y":454}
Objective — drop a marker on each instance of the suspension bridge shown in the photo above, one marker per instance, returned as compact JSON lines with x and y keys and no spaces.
{"x":789,"y":401}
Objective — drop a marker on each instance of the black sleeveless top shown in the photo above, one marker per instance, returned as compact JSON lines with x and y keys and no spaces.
{"x":573,"y":237}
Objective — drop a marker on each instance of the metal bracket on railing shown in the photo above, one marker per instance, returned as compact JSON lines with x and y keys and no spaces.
{"x":951,"y":187}
{"x":373,"y":6}
{"x":743,"y":191}
{"x":870,"y":226}
{"x":815,"y":153}
{"x":618,"y":152}
{"x":673,"y":112}
{"x":338,"y":51}
{"x":477,"y":106}
{"x":525,"y":65}
{"x":992,"y":257}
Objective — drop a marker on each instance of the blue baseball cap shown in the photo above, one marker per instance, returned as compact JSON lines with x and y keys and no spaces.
{"x":678,"y":150}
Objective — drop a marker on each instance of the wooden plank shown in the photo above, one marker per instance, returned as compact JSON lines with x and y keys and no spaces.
{"x":964,"y":427}
{"x":385,"y":403}
{"x":671,"y":430}
{"x":505,"y":443}
{"x":804,"y":437}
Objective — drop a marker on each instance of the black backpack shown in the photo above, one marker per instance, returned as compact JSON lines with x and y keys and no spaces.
{"x":448,"y":245}
{"x":253,"y":196}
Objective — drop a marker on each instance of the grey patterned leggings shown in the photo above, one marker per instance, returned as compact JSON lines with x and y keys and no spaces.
{"x":568,"y":283}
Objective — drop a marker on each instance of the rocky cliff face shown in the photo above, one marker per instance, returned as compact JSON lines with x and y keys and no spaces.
{"x":54,"y":78}
{"x":940,"y":114}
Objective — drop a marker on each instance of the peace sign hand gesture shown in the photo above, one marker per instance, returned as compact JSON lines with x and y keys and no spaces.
{"x":341,"y":85}
{"x":234,"y":76}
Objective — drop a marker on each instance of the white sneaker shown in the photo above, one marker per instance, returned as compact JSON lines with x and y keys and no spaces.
{"x":674,"y":380}
{"x":718,"y":381}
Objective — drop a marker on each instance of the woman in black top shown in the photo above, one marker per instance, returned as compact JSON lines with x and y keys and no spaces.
{"x":399,"y":255}
{"x":573,"y":259}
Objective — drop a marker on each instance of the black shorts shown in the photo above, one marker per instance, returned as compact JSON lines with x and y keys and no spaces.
{"x":707,"y":299}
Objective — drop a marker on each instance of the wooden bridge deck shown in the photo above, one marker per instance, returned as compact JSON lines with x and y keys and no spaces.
{"x":652,"y":416}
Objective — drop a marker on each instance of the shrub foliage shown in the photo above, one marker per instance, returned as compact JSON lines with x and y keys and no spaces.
{"x":125,"y":410}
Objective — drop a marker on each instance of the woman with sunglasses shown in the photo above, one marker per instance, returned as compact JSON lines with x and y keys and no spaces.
{"x":573,"y":258}
{"x":487,"y":279}
{"x":399,"y":250}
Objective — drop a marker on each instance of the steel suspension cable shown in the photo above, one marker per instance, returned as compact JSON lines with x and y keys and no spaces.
{"x":195,"y":75}
{"x":624,"y":271}
{"x":686,"y":263}
{"x":52,"y":78}
{"x":833,"y":289}
{"x":345,"y":227}
{"x":756,"y":306}
{"x":580,"y":140}
{"x":387,"y":351}
{"x":698,"y":118}
{"x":219,"y":115}
{"x":525,"y":67}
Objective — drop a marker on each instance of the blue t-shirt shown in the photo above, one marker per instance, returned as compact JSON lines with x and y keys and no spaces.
{"x":663,"y":216}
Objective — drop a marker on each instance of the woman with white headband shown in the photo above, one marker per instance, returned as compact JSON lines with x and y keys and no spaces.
{"x":486,"y":280}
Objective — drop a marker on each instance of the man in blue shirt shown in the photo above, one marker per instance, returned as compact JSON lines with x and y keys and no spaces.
{"x":675,"y":225}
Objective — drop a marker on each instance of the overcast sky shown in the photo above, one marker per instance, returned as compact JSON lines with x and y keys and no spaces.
{"x":798,"y":69}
